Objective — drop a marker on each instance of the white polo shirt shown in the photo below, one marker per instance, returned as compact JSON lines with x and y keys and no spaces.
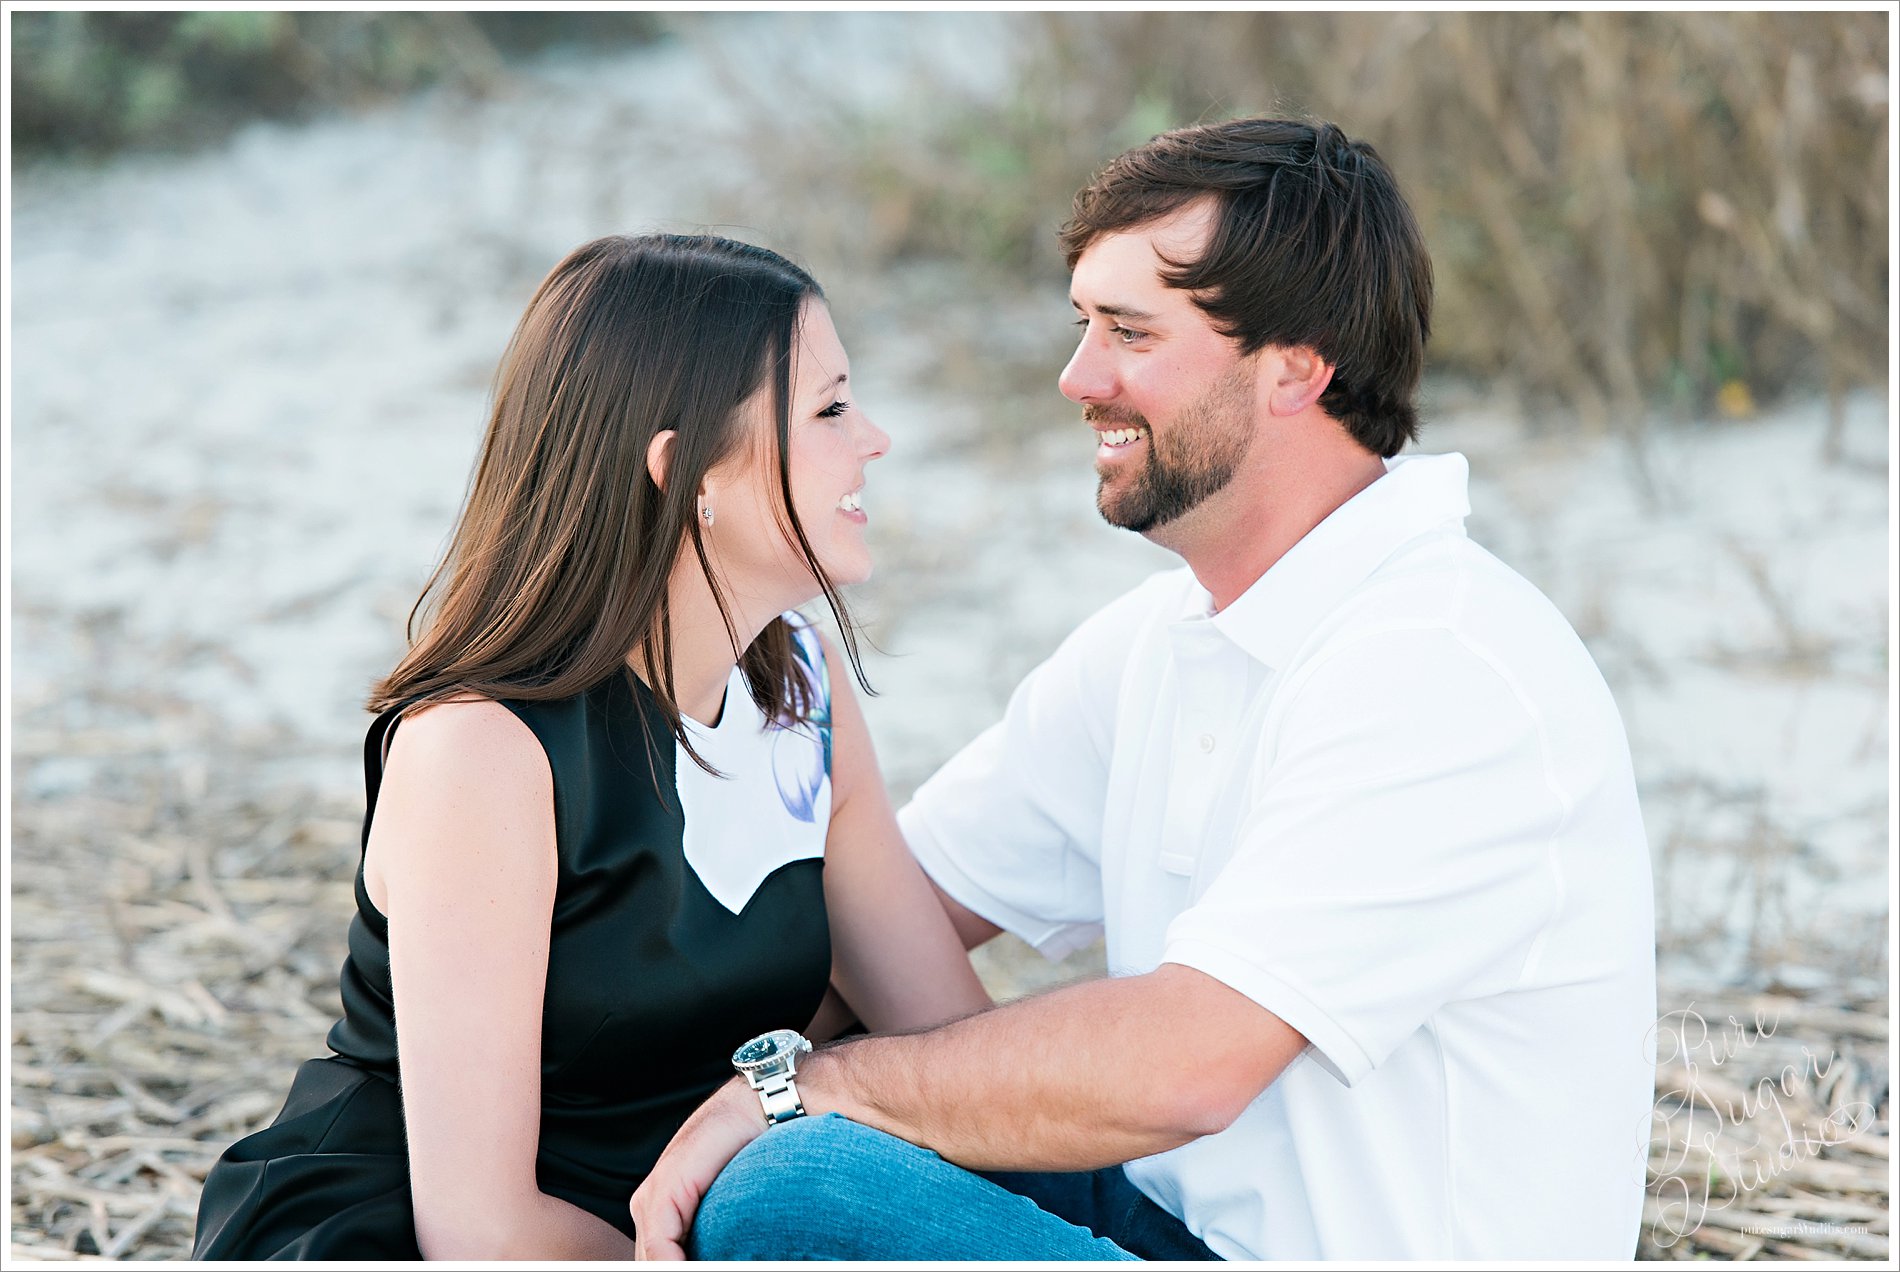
{"x":1386,"y":795}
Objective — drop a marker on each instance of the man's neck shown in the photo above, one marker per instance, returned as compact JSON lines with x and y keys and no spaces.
{"x":1258,"y":518}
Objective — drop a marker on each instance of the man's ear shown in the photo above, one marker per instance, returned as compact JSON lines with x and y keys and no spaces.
{"x":659,"y":455}
{"x":1298,"y":376}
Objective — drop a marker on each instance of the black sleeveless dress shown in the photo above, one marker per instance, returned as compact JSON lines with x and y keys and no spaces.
{"x":654,"y":978}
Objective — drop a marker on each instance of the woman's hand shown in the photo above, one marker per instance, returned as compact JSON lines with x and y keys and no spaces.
{"x":664,"y":1205}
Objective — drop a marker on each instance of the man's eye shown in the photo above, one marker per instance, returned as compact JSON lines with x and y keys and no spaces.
{"x":1127,"y":334}
{"x":836,"y":409}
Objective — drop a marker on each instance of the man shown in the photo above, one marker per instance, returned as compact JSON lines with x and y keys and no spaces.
{"x":1348,"y":797}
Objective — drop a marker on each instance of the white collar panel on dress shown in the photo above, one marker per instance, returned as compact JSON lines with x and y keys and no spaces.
{"x":772,"y":806}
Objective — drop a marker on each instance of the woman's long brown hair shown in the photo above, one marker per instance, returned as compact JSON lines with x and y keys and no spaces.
{"x":559,"y":563}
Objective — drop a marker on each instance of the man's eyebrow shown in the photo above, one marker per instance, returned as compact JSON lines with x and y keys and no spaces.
{"x":1118,"y":311}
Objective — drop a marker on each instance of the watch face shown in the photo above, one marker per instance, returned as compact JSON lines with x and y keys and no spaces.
{"x":767,"y":1048}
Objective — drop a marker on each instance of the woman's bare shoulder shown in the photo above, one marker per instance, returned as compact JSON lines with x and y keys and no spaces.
{"x":468,"y":763}
{"x":854,"y":766}
{"x":467,"y":791}
{"x":464,"y":735}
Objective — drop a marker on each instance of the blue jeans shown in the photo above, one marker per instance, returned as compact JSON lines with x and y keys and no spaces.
{"x":828,"y":1188}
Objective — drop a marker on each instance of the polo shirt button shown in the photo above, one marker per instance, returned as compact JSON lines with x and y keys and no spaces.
{"x":1207,"y":742}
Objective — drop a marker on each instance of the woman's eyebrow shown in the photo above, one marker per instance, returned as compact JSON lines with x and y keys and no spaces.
{"x":826,"y":390}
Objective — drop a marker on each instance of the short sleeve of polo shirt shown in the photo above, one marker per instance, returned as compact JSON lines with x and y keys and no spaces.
{"x":1011,"y":826}
{"x":1396,"y":852}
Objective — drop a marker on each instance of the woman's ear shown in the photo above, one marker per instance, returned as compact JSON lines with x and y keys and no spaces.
{"x":659,"y":455}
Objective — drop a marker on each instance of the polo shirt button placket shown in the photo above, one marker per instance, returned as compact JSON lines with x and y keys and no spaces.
{"x":1204,"y":663}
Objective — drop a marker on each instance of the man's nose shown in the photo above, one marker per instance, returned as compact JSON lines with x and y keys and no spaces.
{"x":1088,"y":377}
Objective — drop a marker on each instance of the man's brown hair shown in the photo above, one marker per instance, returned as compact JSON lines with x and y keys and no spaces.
{"x":1314,"y":246}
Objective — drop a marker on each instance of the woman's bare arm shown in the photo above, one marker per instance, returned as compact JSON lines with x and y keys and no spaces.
{"x":896,"y":958}
{"x":461,"y":860}
{"x":833,"y":1018}
{"x":971,"y":928}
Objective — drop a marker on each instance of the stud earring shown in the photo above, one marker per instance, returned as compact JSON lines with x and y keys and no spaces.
{"x":707,"y":514}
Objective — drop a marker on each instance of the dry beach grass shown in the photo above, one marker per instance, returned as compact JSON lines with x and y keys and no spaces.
{"x":157,"y":998}
{"x":166,"y":986}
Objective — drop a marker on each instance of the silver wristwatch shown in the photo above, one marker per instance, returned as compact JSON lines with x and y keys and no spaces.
{"x":770,"y":1062}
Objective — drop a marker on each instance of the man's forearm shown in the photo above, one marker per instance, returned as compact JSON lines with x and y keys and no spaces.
{"x":1081,"y":1077}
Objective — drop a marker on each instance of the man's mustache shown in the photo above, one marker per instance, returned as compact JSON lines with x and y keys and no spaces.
{"x":1107,"y":415}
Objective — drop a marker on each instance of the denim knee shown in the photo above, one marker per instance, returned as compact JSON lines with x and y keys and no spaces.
{"x":770,"y":1191}
{"x":832,"y":1189}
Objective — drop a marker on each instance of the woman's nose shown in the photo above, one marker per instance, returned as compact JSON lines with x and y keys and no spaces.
{"x":874,"y":441}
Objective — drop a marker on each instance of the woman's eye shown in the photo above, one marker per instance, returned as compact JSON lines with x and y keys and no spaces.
{"x":833,"y":411}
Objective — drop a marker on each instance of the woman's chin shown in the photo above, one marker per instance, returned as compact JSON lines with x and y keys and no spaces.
{"x":842,"y":574}
{"x":850,"y":575}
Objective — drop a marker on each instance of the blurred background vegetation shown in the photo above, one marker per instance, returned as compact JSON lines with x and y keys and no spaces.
{"x":1628,"y":211}
{"x":1685,"y":210}
{"x":96,"y":82}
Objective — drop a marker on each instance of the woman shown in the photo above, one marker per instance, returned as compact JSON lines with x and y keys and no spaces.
{"x":624,"y":813}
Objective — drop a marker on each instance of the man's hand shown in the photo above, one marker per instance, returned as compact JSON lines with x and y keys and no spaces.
{"x":663,"y":1206}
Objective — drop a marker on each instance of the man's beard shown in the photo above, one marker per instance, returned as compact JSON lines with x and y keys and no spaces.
{"x":1204,"y":446}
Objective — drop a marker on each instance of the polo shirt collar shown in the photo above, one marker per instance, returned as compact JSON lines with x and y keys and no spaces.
{"x":1272,"y":618}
